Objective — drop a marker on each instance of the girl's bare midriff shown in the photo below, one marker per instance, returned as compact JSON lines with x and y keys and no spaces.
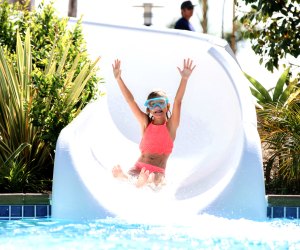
{"x":158,"y":160}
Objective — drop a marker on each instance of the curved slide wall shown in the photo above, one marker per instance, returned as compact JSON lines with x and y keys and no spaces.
{"x":216,"y":165}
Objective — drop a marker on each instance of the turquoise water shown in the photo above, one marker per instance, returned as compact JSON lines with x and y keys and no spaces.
{"x":204,"y":232}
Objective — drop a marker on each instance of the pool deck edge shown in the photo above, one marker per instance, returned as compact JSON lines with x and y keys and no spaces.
{"x":279,"y":206}
{"x":25,"y":198}
{"x":283,"y":200}
{"x":45,"y":198}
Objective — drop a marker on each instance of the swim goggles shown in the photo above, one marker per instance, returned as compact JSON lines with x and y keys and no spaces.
{"x":156,"y":102}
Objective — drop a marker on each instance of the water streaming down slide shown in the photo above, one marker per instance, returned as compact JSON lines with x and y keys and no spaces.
{"x":216,"y":165}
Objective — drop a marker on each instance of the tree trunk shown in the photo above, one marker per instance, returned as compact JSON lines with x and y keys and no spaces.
{"x":204,"y":22}
{"x":72,"y":11}
{"x":234,"y":29}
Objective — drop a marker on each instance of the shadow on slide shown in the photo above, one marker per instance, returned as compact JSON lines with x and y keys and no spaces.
{"x":216,"y":164}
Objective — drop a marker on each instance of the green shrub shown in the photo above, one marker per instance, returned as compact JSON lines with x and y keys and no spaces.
{"x":61,"y":82}
{"x":279,"y":129}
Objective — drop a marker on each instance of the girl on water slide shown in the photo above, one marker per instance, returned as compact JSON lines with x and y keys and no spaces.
{"x":158,"y":126}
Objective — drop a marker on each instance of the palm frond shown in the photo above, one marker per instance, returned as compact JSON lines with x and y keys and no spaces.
{"x":260,"y":88}
{"x":279,"y":85}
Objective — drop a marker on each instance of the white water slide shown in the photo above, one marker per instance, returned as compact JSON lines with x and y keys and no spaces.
{"x":216,"y":164}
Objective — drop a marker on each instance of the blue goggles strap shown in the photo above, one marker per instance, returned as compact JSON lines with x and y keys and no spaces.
{"x":156,"y":99}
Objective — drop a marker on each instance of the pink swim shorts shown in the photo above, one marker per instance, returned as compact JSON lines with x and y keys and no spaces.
{"x":151,"y":168}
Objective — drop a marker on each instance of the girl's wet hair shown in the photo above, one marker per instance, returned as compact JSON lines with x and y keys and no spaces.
{"x":155,"y":94}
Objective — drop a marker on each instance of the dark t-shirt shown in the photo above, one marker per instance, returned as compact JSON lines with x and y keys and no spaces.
{"x":183,"y":24}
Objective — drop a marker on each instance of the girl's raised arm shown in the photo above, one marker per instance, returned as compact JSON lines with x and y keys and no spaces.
{"x":138,"y":113}
{"x":185,"y":73}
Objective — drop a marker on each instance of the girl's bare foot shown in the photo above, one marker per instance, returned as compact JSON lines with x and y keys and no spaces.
{"x":118,"y":172}
{"x":159,"y":179}
{"x":143,"y":178}
{"x":151,"y":178}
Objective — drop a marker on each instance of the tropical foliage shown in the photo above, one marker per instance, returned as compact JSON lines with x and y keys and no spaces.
{"x":50,"y":36}
{"x":44,"y":84}
{"x":279,"y":129}
{"x":25,"y":158}
{"x":272,"y":28}
{"x":22,"y":154}
{"x":276,"y":95}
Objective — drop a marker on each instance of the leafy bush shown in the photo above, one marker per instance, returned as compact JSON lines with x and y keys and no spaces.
{"x":279,"y":130}
{"x":48,"y":31}
{"x":60,"y":81}
{"x":22,"y":153}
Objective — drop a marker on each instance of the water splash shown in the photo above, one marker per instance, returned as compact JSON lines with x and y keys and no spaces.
{"x":203,"y":232}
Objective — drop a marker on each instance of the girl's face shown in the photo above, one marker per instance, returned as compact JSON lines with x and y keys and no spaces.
{"x":158,"y":106}
{"x":161,"y":102}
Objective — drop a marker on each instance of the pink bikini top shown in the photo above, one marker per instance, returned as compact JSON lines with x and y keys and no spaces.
{"x":156,"y":140}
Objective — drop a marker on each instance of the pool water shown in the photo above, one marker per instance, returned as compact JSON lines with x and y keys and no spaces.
{"x":203,"y":232}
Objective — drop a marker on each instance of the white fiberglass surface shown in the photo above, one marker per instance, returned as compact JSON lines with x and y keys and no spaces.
{"x":212,"y":146}
{"x":211,"y":117}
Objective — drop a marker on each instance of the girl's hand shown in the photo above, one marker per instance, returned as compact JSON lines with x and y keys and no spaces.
{"x":188,"y":68}
{"x":117,"y":69}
